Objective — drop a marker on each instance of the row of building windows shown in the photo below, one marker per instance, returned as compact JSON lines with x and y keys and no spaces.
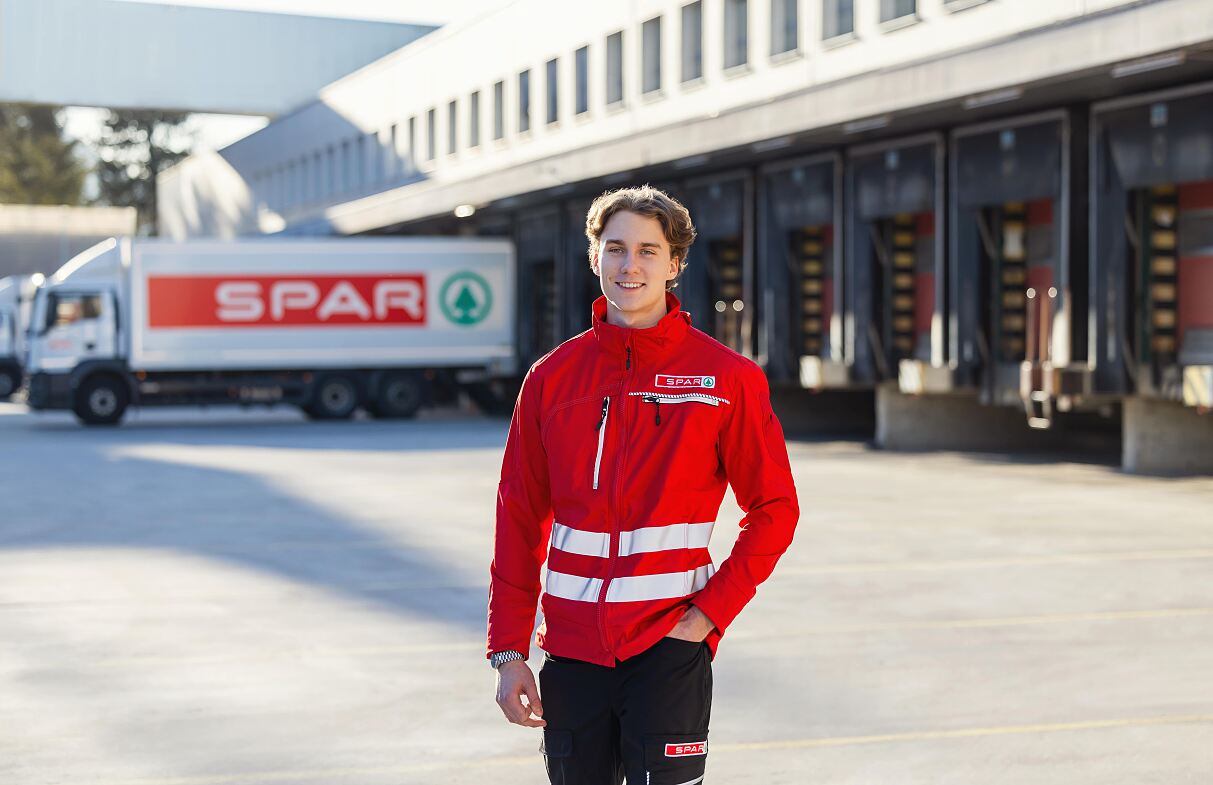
{"x":366,"y":161}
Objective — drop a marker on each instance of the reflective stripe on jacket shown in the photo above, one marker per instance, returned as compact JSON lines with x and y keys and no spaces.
{"x":619,"y":452}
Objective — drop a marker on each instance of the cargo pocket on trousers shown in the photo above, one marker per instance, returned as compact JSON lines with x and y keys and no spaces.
{"x":557,"y":748}
{"x":675,"y":759}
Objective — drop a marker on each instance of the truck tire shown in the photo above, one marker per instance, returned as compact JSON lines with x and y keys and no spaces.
{"x":9,"y":382}
{"x":101,"y":400}
{"x":335,"y":397}
{"x":398,"y":396}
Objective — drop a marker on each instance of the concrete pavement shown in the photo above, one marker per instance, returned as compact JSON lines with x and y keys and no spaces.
{"x":232,"y":598}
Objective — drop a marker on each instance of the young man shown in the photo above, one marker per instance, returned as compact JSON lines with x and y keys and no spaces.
{"x":621,"y":446}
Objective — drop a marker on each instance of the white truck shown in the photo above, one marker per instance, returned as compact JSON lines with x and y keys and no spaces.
{"x":16,"y":302}
{"x":329,"y":325}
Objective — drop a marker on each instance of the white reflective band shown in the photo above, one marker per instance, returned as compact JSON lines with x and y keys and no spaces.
{"x":664,"y":586}
{"x":633,"y":588}
{"x":652,"y":539}
{"x":649,"y":539}
{"x":572,"y":587}
{"x":570,"y":540}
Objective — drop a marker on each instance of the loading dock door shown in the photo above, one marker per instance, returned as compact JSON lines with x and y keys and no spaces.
{"x":1008,"y":249}
{"x":892,"y":281}
{"x":798,"y":255}
{"x":1153,"y":240}
{"x":717,"y":285}
{"x":581,"y":285}
{"x":538,"y":242}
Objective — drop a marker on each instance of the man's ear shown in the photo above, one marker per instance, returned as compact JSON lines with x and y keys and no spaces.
{"x":594,"y":264}
{"x":675,"y":266}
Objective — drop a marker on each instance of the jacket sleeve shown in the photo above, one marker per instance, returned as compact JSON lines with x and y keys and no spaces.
{"x":755,"y":457}
{"x":524,"y":525}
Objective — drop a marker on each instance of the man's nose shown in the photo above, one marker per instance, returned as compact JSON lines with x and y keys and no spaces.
{"x":629,"y":261}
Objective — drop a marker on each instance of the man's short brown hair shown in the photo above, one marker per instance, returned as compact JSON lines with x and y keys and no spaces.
{"x":650,"y":202}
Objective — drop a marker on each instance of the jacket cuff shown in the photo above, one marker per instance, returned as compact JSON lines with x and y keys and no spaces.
{"x":719,"y":603}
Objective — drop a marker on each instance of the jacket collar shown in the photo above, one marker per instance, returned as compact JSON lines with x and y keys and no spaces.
{"x":648,"y":345}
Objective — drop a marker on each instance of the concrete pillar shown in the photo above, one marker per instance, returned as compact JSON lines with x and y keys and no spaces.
{"x":1166,"y":437}
{"x":954,"y":421}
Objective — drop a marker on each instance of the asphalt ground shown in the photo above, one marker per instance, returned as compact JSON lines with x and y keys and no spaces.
{"x":230,"y":598}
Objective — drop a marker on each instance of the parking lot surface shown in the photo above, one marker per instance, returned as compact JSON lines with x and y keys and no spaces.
{"x":227,"y":598}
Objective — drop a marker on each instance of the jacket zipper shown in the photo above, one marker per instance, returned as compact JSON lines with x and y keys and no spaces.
{"x":613,"y":509}
{"x":600,"y":427}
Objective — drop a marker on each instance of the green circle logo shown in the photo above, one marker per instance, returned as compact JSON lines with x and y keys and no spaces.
{"x":466,"y":298}
{"x":709,"y":381}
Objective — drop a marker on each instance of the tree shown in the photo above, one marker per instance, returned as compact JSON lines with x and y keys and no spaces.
{"x":37,"y":164}
{"x":134,"y":147}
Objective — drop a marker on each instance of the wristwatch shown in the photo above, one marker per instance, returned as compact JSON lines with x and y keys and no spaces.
{"x":499,"y":658}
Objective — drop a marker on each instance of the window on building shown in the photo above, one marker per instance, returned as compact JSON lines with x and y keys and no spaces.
{"x":431,"y":134}
{"x":581,"y":63}
{"x":331,"y":181}
{"x":552,"y":68}
{"x":393,"y":151}
{"x":960,"y":5}
{"x":305,"y":180}
{"x":317,"y":177}
{"x":499,"y":110}
{"x":524,"y":101}
{"x":359,"y":162}
{"x":896,"y":9}
{"x":452,"y":127}
{"x":650,"y":55}
{"x":692,"y":42}
{"x":736,"y":33}
{"x":838,"y":19}
{"x":474,"y":119}
{"x":785,"y":31}
{"x":374,"y":159}
{"x":347,"y":168}
{"x":614,"y":67}
{"x":412,"y":152}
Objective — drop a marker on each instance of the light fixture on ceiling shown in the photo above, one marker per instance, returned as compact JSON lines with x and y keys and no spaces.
{"x":993,"y":97}
{"x":870,"y":124}
{"x":1145,"y":65}
{"x":465,"y":211}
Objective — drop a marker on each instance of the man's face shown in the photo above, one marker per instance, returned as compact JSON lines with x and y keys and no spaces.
{"x":633,"y":265}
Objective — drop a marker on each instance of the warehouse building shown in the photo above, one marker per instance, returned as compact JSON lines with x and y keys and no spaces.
{"x":994,"y":217}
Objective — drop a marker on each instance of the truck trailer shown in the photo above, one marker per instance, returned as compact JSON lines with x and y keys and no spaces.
{"x":329,"y":325}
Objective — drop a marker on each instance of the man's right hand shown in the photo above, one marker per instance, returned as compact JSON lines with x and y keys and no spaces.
{"x":514,"y":679}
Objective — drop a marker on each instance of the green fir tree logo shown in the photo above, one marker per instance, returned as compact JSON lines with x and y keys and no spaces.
{"x":466,"y":298}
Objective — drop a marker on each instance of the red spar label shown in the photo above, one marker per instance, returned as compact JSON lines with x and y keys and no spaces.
{"x":297,"y":301}
{"x":683,"y":750}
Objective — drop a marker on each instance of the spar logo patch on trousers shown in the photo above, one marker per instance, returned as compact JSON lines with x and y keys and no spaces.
{"x":686,"y":750}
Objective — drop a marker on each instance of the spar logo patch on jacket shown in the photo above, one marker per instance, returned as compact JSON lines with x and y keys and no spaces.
{"x":672,"y":382}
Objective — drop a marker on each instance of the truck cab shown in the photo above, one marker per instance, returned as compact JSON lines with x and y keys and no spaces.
{"x":73,"y":358}
{"x":16,"y":302}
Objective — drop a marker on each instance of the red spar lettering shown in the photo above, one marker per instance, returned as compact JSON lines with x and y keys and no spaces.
{"x":265,"y":301}
{"x":683,"y":750}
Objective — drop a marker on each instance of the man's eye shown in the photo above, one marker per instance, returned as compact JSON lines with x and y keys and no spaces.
{"x":649,"y":251}
{"x":615,"y":250}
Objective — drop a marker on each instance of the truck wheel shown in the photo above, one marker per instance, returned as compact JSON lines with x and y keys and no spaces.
{"x":9,"y":382}
{"x":399,"y":396}
{"x":101,"y":400}
{"x":335,"y":397}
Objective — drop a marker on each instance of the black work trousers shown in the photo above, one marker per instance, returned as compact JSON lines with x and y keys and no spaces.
{"x":646,"y":719}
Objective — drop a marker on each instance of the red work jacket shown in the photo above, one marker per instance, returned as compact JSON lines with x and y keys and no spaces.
{"x":619,"y":452}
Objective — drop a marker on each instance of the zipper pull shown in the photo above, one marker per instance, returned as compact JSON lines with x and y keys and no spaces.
{"x":628,"y":367}
{"x":658,"y":407}
{"x":605,"y":403}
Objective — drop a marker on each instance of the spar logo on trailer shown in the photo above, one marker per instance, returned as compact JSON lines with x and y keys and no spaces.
{"x":686,"y":750}
{"x":685,"y":382}
{"x":296,"y":301}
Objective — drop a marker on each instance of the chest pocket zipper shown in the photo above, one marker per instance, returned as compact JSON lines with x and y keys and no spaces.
{"x":659,"y":398}
{"x":601,"y":428}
